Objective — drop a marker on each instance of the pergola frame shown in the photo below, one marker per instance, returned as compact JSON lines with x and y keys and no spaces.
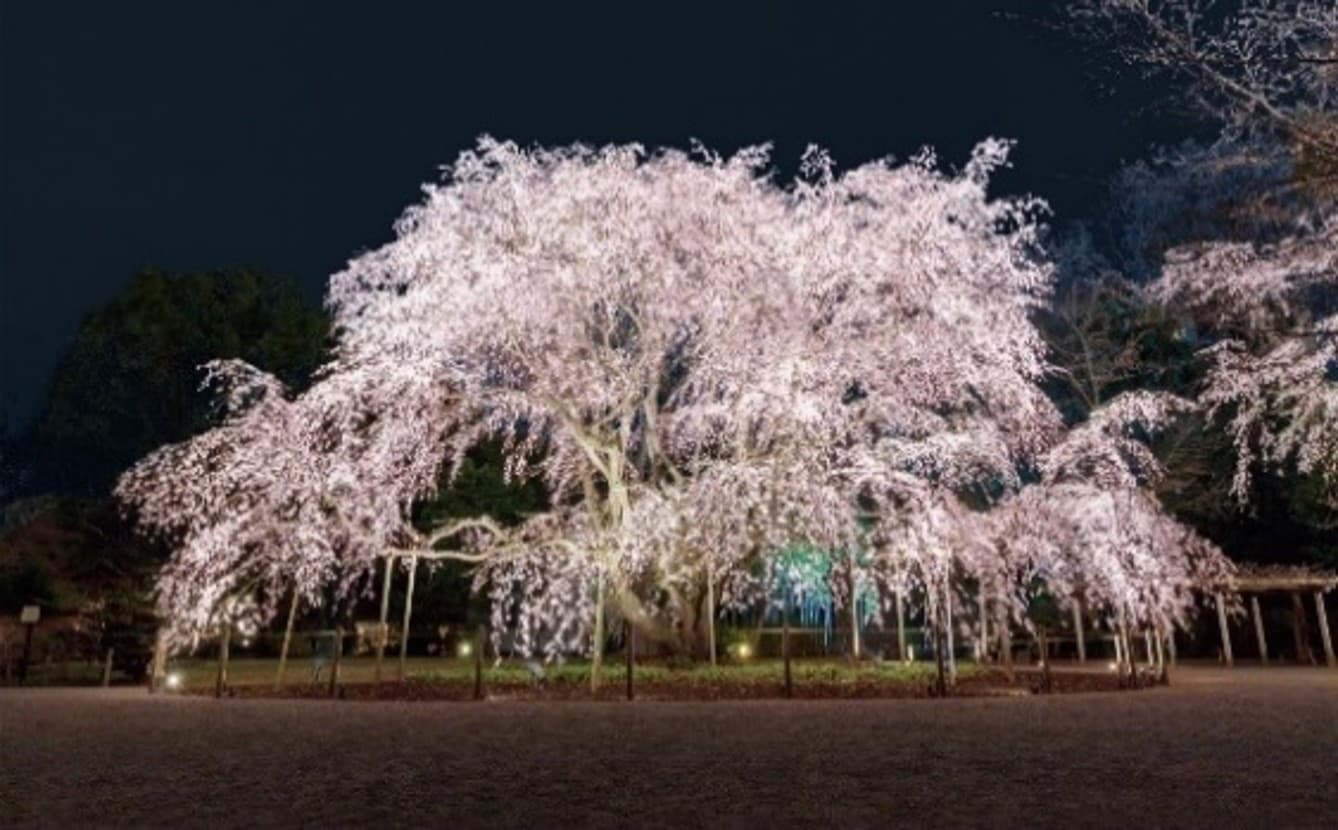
{"x":1253,"y":580}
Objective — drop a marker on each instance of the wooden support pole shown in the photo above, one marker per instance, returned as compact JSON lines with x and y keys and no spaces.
{"x":479,"y":640}
{"x":287,"y":640}
{"x":221,"y":681}
{"x":1303,"y":653}
{"x":948,"y":628}
{"x":597,"y":636}
{"x":785,"y":643}
{"x":107,"y":668}
{"x":1078,"y":635}
{"x":159,"y":665}
{"x":408,"y":615}
{"x":1325,"y":636}
{"x":1161,"y":658}
{"x":901,"y":628}
{"x":629,"y":643}
{"x":854,"y":612}
{"x":1226,"y":633}
{"x":984,"y":626}
{"x":940,"y":646}
{"x":710,"y":611}
{"x":383,"y":630}
{"x":1006,"y":642}
{"x":336,"y":654}
{"x":1259,"y":628}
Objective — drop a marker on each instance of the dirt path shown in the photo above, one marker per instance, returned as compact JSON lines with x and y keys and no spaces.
{"x":1249,"y":748}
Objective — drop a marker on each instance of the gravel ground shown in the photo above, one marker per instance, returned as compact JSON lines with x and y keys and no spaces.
{"x":1247,"y":748}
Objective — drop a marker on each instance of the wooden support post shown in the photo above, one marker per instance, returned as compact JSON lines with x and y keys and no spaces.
{"x":221,"y":681}
{"x":383,"y":631}
{"x":1161,"y":658}
{"x":785,"y":643}
{"x":1078,"y":635}
{"x":408,"y":615}
{"x":287,"y":640}
{"x":27,"y":653}
{"x":1170,"y":646}
{"x":1006,"y":638}
{"x":159,"y":665}
{"x":336,"y":655}
{"x":1126,"y":670}
{"x":1047,"y":682}
{"x":710,"y":611}
{"x":1325,"y":636}
{"x":940,"y":646}
{"x":479,"y":641}
{"x":1259,"y":629}
{"x":901,"y":628}
{"x":107,"y":668}
{"x":1226,"y":633}
{"x":854,"y":612}
{"x":948,"y":629}
{"x":984,"y":626}
{"x":1147,"y":647}
{"x":1303,"y":653}
{"x":597,"y":636}
{"x":629,"y":643}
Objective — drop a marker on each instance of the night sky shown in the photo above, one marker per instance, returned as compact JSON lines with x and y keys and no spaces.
{"x":288,"y":137}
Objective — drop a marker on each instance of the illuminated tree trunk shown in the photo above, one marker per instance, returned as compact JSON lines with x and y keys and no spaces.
{"x":287,"y":641}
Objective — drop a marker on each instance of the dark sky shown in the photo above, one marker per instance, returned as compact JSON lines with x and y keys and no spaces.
{"x":288,"y":136}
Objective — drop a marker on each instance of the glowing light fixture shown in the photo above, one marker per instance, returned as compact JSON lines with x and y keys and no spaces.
{"x":173,"y":680}
{"x":463,"y":650}
{"x":745,"y":651}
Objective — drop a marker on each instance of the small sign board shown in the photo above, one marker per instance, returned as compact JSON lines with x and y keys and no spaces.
{"x":30,"y":614}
